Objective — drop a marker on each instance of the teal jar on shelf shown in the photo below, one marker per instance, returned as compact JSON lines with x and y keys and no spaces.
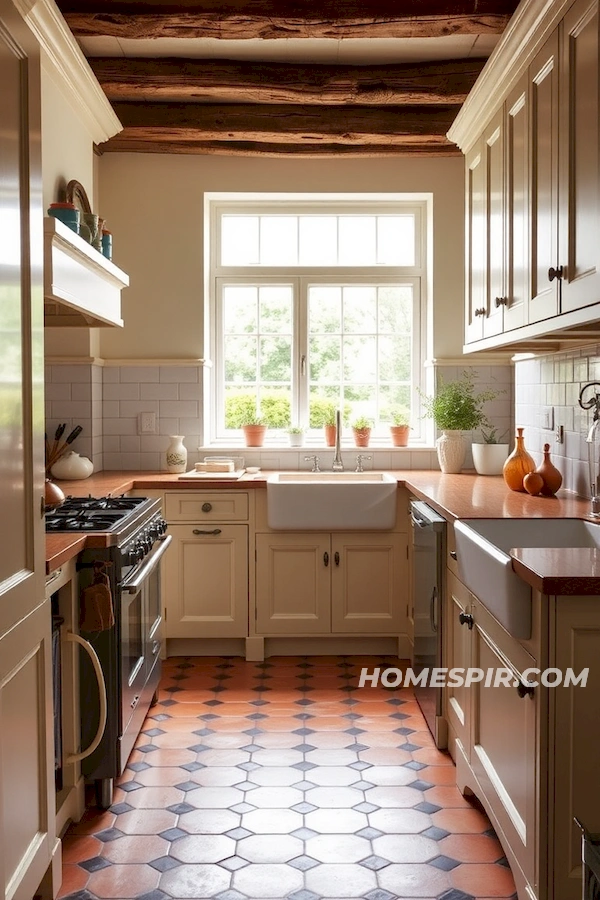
{"x":106,"y":244}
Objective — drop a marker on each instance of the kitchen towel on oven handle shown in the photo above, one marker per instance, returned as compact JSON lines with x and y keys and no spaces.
{"x":96,"y":611}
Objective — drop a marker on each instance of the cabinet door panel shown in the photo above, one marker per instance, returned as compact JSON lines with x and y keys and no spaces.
{"x":369,"y":583}
{"x":517,"y":207}
{"x":457,"y":654}
{"x":494,"y":212}
{"x":543,"y":301}
{"x":504,"y":751}
{"x":580,"y":197}
{"x":206,"y":583}
{"x":475,"y":243}
{"x":576,"y":742}
{"x":293,"y":583}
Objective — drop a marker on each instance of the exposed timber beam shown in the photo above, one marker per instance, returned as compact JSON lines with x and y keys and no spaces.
{"x":174,"y":79}
{"x":354,"y":125}
{"x":271,"y":19}
{"x":120,"y":144}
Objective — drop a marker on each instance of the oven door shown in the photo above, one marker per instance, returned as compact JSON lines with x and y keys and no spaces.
{"x":141,"y":618}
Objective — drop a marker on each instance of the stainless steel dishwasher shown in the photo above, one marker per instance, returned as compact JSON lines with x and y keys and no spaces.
{"x":428,"y":531}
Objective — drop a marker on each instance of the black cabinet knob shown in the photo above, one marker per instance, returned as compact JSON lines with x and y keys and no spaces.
{"x":466,"y":619}
{"x":555,"y":273}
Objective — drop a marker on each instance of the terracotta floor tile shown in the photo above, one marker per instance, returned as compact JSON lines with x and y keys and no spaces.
{"x":123,"y":881}
{"x":135,"y":849}
{"x":274,"y":759}
{"x":472,"y":848}
{"x":73,"y":879}
{"x":483,"y":880}
{"x":76,"y":848}
{"x":461,"y":821}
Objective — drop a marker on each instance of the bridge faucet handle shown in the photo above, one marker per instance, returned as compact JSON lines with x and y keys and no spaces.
{"x":359,"y":462}
{"x":315,"y":462}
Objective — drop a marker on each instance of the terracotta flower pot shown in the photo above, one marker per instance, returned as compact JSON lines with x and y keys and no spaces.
{"x":399,"y":435}
{"x":329,"y":435}
{"x":362,"y":436}
{"x":254,"y":435}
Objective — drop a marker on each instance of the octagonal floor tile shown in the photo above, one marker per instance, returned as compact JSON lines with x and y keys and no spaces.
{"x":274,"y":848}
{"x":268,"y":881}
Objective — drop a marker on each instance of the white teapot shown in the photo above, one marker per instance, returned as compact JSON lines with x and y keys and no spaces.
{"x":72,"y":467}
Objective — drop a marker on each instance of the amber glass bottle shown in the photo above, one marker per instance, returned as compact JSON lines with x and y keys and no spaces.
{"x":518,"y":465}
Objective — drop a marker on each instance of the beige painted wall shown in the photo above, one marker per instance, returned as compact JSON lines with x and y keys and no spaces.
{"x":67,"y":147}
{"x":154,"y":206}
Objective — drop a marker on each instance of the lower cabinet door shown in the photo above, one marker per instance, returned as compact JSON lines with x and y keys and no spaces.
{"x":504,"y":747}
{"x":457,"y":654}
{"x":206,"y":581}
{"x":293,"y":583}
{"x":369,"y":583}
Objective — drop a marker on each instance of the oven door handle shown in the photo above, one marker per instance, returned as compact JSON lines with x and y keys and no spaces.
{"x":133,"y":586}
{"x":77,"y":639}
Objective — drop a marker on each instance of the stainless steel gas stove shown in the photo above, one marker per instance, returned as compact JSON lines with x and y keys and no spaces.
{"x":126,"y":541}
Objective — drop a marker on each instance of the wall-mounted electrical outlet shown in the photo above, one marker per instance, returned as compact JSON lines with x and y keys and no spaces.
{"x":547,"y":417}
{"x":147,"y":423}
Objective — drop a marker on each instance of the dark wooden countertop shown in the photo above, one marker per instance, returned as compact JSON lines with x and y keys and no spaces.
{"x":465,"y":496}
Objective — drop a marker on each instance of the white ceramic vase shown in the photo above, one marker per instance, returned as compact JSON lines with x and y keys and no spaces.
{"x":489,"y":459}
{"x":176,"y":455}
{"x":72,"y":467}
{"x":451,"y":450}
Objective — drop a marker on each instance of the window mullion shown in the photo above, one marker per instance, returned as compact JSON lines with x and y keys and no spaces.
{"x":301,"y":342}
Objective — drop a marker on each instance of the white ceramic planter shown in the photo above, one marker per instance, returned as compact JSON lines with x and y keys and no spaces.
{"x":296,"y":440}
{"x":489,"y":459}
{"x":451,"y":451}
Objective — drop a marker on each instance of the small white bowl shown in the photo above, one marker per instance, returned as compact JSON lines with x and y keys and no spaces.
{"x":252,"y":470}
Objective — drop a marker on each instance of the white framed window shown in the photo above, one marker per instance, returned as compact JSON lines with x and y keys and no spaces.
{"x":315,"y":304}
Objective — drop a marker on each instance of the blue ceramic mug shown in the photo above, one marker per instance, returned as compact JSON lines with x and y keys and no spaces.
{"x":66,"y":213}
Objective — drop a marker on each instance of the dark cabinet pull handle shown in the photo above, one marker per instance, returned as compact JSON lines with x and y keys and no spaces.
{"x":326,"y":558}
{"x":524,"y":690}
{"x":453,"y":554}
{"x":206,"y":507}
{"x":199,"y":531}
{"x":336,"y":557}
{"x":555,"y":273}
{"x":501,"y":301}
{"x":135,"y":701}
{"x":480,"y":311}
{"x":466,"y":619}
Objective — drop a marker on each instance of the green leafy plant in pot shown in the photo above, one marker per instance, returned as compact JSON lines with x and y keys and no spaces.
{"x":254,"y":427}
{"x":400,"y":427}
{"x":361,"y":427}
{"x":456,"y":407}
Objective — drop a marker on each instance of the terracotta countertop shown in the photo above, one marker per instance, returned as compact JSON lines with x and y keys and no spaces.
{"x":551,"y":571}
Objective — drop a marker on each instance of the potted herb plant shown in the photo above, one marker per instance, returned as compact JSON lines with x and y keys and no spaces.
{"x":490,"y":456}
{"x":254,"y":428}
{"x":361,"y":427}
{"x":296,"y":436}
{"x":455,"y":408}
{"x":400,"y":427}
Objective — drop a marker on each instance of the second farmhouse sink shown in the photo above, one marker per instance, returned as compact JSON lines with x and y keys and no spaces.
{"x":485,"y":566}
{"x":326,"y":501}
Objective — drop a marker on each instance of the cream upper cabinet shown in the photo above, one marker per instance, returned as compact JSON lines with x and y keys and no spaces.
{"x":579,"y":198}
{"x":544,"y":84}
{"x":532,"y":174}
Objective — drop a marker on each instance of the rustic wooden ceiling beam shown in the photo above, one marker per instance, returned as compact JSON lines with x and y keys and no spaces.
{"x":271,"y":19}
{"x":174,"y":79}
{"x":120,"y":144}
{"x":283,"y":123}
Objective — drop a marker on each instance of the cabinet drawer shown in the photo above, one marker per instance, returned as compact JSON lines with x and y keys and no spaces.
{"x":204,"y":506}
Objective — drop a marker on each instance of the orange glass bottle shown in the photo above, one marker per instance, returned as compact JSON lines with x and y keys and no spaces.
{"x":518,"y":465}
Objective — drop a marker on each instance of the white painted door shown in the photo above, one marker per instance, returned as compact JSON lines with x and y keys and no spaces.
{"x":516,"y":289}
{"x":493,"y":139}
{"x":26,"y":740}
{"x":206,"y":578}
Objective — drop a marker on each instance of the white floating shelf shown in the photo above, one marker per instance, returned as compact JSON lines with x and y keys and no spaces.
{"x":81,"y":286}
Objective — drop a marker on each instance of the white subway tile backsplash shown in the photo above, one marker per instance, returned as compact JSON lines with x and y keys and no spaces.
{"x":128,"y":391}
{"x":130,"y":443}
{"x":81,"y":392}
{"x":159,"y":391}
{"x":139,"y":374}
{"x":190,"y":426}
{"x":150,"y":462}
{"x":135,"y":407}
{"x":111,"y":443}
{"x":179,"y":408}
{"x":168,"y":425}
{"x":110,"y":409}
{"x":190,"y":392}
{"x":71,"y":409}
{"x":111,"y":374}
{"x":120,"y":426}
{"x":72,"y":374}
{"x":58,"y":391}
{"x":179,"y":374}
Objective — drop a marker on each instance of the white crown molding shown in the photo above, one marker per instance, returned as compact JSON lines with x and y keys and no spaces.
{"x":205,"y":363}
{"x":527,"y":31}
{"x":471,"y":362}
{"x":63,"y":52}
{"x":73,"y":361}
